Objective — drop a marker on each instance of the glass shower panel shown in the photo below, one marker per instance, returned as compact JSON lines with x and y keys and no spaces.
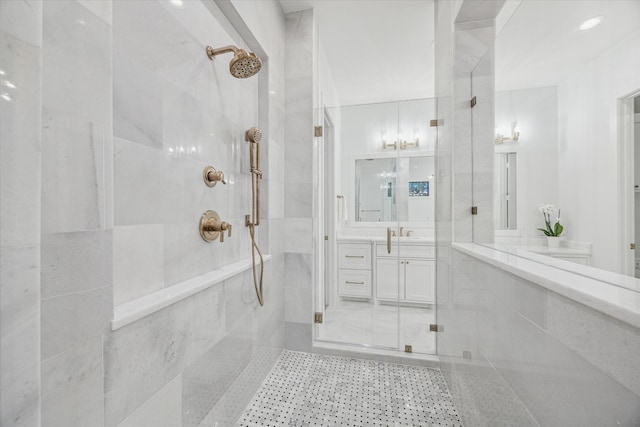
{"x":416,"y":233}
{"x":358,"y":298}
{"x":483,"y":150}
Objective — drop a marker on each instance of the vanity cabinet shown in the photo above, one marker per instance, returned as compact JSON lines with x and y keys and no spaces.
{"x":354,"y":270}
{"x":410,"y":279}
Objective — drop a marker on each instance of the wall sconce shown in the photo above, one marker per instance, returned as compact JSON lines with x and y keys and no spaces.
{"x":403,"y":144}
{"x":515,"y":135}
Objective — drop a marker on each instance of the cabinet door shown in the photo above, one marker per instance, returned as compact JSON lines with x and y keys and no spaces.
{"x":387,"y":278}
{"x":419,"y":280}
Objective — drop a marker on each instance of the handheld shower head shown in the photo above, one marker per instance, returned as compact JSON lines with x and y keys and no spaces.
{"x":253,"y":135}
{"x":243,"y":64}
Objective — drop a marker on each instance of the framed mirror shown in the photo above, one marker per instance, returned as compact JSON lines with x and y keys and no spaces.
{"x":388,"y":189}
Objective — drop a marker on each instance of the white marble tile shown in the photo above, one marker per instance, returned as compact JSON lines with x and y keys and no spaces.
{"x":206,"y":381}
{"x":298,"y":270}
{"x":72,"y":387}
{"x":73,"y":318}
{"x":298,"y":235}
{"x":138,"y":261}
{"x":299,"y":200}
{"x":552,"y":381}
{"x":143,"y":357}
{"x":268,"y":331}
{"x":297,"y":336}
{"x":73,"y":193}
{"x":240,"y":298}
{"x":20,"y":141}
{"x":607,"y":343}
{"x":103,"y":9}
{"x":235,"y":400}
{"x":20,"y":336}
{"x":144,"y":191}
{"x":505,"y":323}
{"x":23,"y":20}
{"x":76,"y":54}
{"x":298,"y":304}
{"x":163,"y":409}
{"x":137,"y":101}
{"x":76,"y":262}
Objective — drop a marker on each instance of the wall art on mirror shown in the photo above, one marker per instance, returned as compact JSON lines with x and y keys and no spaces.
{"x":418,"y":188}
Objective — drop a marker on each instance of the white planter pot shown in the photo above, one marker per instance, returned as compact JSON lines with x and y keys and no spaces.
{"x":553,"y":242}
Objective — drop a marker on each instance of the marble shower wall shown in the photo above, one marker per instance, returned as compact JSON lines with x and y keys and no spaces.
{"x":20,"y":152}
{"x":176,"y":111}
{"x":126,"y":109}
{"x":77,"y":210}
{"x":299,"y":177}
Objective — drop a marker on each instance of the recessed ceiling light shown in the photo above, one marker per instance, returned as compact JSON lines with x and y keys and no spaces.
{"x":591,"y":22}
{"x":177,"y":3}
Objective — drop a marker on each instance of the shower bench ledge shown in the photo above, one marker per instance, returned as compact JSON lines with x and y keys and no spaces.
{"x":131,"y":311}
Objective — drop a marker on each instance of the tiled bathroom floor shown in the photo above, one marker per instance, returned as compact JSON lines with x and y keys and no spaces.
{"x":316,"y":390}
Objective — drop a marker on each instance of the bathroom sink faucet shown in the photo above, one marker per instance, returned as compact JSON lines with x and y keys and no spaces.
{"x":401,"y":228}
{"x":409,"y":233}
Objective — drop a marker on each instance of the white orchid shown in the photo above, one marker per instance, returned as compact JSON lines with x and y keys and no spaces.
{"x":546,"y":211}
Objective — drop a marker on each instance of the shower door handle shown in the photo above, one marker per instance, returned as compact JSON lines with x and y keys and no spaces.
{"x":388,"y":240}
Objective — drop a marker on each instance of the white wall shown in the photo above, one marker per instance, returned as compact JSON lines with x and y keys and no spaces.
{"x":588,"y":148}
{"x":536,"y":113}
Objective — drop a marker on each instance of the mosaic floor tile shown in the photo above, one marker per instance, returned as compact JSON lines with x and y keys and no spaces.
{"x":317,"y":390}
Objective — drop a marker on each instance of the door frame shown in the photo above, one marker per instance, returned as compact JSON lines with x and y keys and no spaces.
{"x":626,"y":172}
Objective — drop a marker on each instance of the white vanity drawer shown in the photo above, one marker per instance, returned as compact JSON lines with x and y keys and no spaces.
{"x":354,"y":256}
{"x":406,"y":251}
{"x":354,"y":283}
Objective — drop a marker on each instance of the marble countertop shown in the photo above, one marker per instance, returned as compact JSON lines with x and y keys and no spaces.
{"x":544,"y":250}
{"x":383,"y":239}
{"x":620,"y":300}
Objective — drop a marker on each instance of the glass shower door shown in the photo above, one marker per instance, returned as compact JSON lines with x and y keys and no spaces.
{"x":416,"y":232}
{"x":358,"y":298}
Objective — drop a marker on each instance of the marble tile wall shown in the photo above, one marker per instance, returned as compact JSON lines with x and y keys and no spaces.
{"x":127,"y":110}
{"x":77,"y":210}
{"x":175,"y":112}
{"x":299,"y":160}
{"x":20,"y":150}
{"x":551,"y":353}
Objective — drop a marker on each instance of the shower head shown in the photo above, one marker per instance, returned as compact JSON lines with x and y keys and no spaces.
{"x":253,"y":135}
{"x":242,"y":65}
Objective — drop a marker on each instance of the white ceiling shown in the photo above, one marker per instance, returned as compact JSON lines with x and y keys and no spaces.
{"x":377,"y":50}
{"x":541,"y":45}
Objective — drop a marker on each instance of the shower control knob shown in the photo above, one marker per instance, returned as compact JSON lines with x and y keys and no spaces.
{"x":224,"y":226}
{"x":212,"y":177}
{"x":211,"y":227}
